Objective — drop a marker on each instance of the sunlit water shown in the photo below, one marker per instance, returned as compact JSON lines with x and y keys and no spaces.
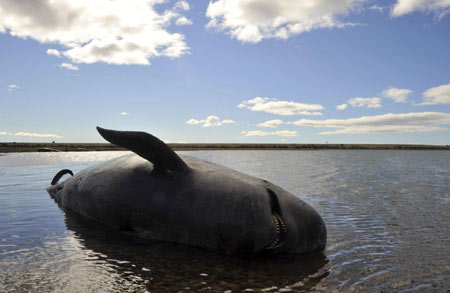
{"x":387,"y":215}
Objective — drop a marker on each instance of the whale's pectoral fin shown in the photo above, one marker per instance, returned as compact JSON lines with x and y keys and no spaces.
{"x":147,"y":146}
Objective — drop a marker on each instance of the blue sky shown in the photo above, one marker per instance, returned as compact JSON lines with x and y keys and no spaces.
{"x":337,"y":71}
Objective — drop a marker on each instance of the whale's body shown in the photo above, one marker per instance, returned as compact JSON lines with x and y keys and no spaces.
{"x":159,"y":195}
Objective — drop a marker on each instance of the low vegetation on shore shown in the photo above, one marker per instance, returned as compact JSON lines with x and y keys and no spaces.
{"x":11,"y":147}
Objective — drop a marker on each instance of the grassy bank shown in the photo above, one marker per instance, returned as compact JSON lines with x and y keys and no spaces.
{"x":11,"y":147}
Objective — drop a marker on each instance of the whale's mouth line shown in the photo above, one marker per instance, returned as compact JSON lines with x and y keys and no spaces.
{"x":281,"y":232}
{"x":277,"y":218}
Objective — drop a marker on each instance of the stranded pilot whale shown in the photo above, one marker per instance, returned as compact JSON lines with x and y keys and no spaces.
{"x":159,"y":195}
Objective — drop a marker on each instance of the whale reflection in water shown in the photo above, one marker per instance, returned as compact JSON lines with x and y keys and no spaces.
{"x":140,"y":264}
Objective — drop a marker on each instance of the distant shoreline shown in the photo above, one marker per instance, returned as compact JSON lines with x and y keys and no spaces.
{"x":11,"y":147}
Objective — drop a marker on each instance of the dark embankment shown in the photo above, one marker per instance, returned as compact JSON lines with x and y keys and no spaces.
{"x":11,"y":147}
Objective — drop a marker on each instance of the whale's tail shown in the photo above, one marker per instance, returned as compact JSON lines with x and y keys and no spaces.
{"x":60,"y":174}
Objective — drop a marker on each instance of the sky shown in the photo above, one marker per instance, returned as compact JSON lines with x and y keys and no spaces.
{"x":226,"y":71}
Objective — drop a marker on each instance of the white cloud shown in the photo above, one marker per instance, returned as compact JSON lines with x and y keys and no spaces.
{"x":30,"y":134}
{"x":254,"y":20}
{"x":365,"y":102}
{"x":124,"y":113}
{"x":286,"y":108}
{"x":439,"y":7}
{"x":183,"y":21}
{"x":341,"y":106}
{"x":271,"y":123}
{"x":193,"y":121}
{"x":115,"y":32}
{"x":386,"y":123}
{"x":210,"y":121}
{"x":284,"y":133}
{"x":376,"y":7}
{"x":54,"y":52}
{"x":69,"y":66}
{"x":436,"y":95}
{"x":182,"y":5}
{"x":12,"y":87}
{"x":398,"y":95}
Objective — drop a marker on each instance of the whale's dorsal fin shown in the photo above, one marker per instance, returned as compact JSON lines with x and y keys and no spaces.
{"x":147,"y":146}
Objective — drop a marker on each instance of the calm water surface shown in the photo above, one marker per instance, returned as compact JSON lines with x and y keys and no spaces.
{"x":387,"y":215}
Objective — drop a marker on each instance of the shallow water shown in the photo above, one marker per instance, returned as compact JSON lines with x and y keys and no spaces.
{"x":387,"y":214}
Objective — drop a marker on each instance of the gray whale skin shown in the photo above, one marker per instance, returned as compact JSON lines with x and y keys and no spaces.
{"x":158,"y":195}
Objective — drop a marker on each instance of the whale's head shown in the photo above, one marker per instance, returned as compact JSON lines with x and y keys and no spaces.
{"x":300,"y":228}
{"x":253,"y":215}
